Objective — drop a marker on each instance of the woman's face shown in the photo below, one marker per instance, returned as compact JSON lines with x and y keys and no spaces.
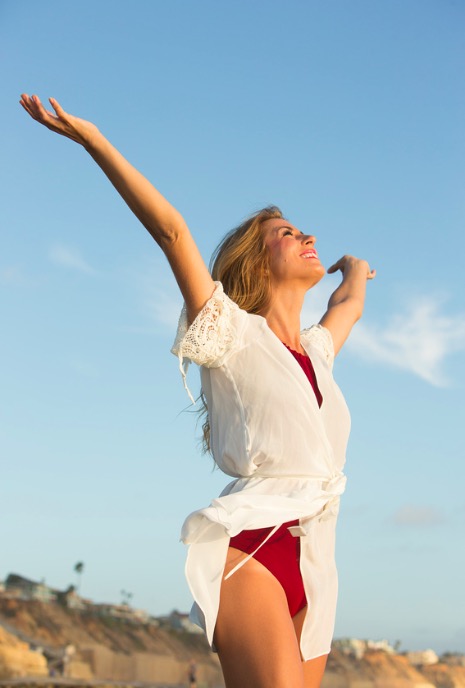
{"x":292,"y":254}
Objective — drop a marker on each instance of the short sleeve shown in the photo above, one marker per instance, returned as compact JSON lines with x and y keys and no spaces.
{"x":320,"y":338}
{"x":210,"y":337}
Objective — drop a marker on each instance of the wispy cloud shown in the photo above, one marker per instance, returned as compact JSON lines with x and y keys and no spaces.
{"x":417,"y":516}
{"x":158,"y":292}
{"x":164,"y":307}
{"x":12,"y":274}
{"x":69,"y":257}
{"x":418,"y":340}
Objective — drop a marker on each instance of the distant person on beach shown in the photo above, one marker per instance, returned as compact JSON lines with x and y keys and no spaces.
{"x":260,"y":562}
{"x":192,"y":674}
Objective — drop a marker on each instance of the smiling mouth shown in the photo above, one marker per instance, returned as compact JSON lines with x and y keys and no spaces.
{"x":311,"y":253}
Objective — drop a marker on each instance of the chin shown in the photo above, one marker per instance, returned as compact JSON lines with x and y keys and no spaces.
{"x":320,"y":271}
{"x":317,"y":276}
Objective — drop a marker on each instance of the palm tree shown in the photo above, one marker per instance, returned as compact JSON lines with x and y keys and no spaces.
{"x":127,"y":597}
{"x":79,"y":568}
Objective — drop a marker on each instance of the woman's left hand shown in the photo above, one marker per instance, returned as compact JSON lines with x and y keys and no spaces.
{"x":347,"y":263}
{"x":345,"y":306}
{"x":61,"y":122}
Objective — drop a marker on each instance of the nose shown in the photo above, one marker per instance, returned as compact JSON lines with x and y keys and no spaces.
{"x":309,"y":239}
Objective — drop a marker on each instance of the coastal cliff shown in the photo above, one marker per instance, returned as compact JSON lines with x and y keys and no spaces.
{"x":84,"y":647}
{"x":39,"y":639}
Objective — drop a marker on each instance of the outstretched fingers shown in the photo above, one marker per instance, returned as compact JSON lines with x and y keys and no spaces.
{"x":57,"y":107}
{"x":33,"y":106}
{"x":37,"y":111}
{"x":58,"y":121}
{"x":336,"y":266}
{"x":350,"y":262}
{"x":27,"y":103}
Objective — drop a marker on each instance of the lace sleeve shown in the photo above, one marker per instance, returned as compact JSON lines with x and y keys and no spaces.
{"x":320,"y":338}
{"x":210,"y":336}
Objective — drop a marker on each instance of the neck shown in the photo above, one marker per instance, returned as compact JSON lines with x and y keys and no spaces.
{"x":283,"y":316}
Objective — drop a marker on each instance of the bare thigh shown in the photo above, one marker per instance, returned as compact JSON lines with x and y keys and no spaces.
{"x":255,"y":636}
{"x":313,"y":668}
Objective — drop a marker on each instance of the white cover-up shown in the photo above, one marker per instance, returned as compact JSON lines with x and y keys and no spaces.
{"x":285,"y":453}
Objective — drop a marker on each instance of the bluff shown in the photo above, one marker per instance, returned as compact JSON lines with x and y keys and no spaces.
{"x":79,"y":645}
{"x":38,"y":638}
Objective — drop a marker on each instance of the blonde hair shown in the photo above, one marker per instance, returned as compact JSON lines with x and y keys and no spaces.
{"x":241,"y":263}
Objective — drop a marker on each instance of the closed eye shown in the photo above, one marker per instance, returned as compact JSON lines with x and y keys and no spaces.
{"x":289,"y":231}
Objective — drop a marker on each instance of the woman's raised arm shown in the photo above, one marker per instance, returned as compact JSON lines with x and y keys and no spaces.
{"x":159,"y":217}
{"x":345,"y":306}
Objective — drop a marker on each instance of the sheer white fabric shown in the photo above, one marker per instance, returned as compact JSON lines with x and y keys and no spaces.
{"x":319,"y":337}
{"x":285,"y":453}
{"x":208,"y":338}
{"x":211,"y":333}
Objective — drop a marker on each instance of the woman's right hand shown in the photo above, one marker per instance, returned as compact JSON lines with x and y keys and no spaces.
{"x":159,"y":217}
{"x":61,"y":122}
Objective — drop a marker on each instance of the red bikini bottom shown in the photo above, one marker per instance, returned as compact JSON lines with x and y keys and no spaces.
{"x":281,"y":556}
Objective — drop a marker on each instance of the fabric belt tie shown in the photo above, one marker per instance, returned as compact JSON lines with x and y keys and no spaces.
{"x":334,"y":488}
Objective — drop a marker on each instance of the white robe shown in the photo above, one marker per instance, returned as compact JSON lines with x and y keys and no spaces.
{"x":285,"y":453}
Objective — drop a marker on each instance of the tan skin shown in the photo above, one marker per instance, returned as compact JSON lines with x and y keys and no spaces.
{"x":257,"y":640}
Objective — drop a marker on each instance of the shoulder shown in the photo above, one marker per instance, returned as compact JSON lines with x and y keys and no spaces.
{"x":220,"y":329}
{"x":319,"y":337}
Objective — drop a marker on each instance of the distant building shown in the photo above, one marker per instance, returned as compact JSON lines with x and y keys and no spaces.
{"x":422,"y":657}
{"x":351,"y":646}
{"x":122,"y":611}
{"x":26,"y":589}
{"x":70,"y":599}
{"x":354,"y":647}
{"x":181,"y":622}
{"x":382,"y":645}
{"x":453,"y":659}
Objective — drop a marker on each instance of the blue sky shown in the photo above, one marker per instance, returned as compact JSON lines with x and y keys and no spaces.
{"x":347,"y":115}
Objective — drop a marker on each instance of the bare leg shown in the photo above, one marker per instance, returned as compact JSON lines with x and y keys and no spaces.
{"x":313,"y":668}
{"x":254,"y":635}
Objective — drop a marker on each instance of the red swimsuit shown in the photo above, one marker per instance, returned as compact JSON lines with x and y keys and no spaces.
{"x":281,"y":553}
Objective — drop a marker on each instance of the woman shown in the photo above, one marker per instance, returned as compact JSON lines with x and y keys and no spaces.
{"x":261,"y":556}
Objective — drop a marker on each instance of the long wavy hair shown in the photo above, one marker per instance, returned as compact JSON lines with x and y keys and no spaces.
{"x":241,"y":263}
